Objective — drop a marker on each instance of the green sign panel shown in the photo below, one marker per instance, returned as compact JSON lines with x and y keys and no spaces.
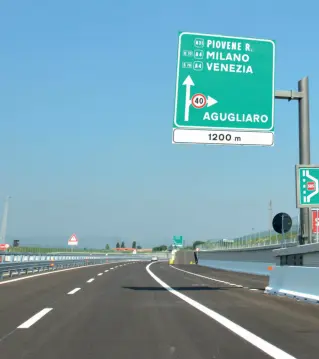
{"x":307,"y":185}
{"x":224,"y":90}
{"x":178,"y":241}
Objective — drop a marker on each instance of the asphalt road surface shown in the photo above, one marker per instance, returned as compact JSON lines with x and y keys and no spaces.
{"x":142,"y":310}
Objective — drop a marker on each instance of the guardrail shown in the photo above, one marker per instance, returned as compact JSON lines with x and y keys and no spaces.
{"x":218,"y":246}
{"x":19,"y":263}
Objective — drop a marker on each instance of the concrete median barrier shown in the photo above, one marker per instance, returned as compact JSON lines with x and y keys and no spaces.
{"x":297,"y":282}
{"x":184,"y":257}
{"x":257,"y":268}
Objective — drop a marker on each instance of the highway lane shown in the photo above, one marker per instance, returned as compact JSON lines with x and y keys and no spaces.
{"x":22,"y":298}
{"x":121,"y":315}
{"x":288,"y":324}
{"x":126,"y":312}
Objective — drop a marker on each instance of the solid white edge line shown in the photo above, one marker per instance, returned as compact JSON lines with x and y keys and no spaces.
{"x":90,"y":280}
{"x":202,"y":276}
{"x":35,"y":318}
{"x":74,"y":290}
{"x":251,"y":338}
{"x":47,"y":273}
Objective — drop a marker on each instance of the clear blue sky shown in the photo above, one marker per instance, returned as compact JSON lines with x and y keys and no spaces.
{"x":86,"y":111}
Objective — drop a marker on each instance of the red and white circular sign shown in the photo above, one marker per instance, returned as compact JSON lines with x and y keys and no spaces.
{"x":199,"y":100}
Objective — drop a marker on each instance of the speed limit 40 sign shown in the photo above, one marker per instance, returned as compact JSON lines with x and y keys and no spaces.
{"x":199,"y":100}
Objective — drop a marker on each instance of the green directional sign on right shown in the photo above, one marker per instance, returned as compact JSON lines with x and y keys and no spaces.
{"x":307,"y":185}
{"x":178,"y":241}
{"x":224,"y":90}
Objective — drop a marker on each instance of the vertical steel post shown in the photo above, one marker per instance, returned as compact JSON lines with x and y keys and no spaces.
{"x":304,"y":151}
{"x":270,"y":220}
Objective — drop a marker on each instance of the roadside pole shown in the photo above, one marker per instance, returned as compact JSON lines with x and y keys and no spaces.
{"x":282,"y":232}
{"x":304,"y":151}
{"x":304,"y":144}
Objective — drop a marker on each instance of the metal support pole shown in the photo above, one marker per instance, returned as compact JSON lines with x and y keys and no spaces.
{"x":270,"y":220}
{"x":3,"y":230}
{"x":282,"y":231}
{"x":310,"y":239}
{"x":304,"y":151}
{"x":304,"y":144}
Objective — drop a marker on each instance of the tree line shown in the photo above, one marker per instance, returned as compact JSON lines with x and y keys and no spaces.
{"x":161,"y":248}
{"x":122,"y":245}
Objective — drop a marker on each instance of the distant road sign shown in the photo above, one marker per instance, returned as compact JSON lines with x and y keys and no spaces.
{"x":178,"y":241}
{"x":282,"y":223}
{"x":73,"y":241}
{"x":225,"y":90}
{"x":307,"y":185}
{"x":4,"y":246}
{"x":228,"y":240}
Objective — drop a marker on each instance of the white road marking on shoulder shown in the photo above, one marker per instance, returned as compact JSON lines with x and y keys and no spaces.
{"x":251,"y":338}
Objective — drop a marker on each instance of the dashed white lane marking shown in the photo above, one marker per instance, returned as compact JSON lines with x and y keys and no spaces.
{"x":74,"y":290}
{"x":47,"y":273}
{"x":254,"y":289}
{"x":112,"y":268}
{"x":251,"y":338}
{"x":34,"y":319}
{"x":100,"y":274}
{"x":90,"y":280}
{"x":106,"y":270}
{"x":215,"y":280}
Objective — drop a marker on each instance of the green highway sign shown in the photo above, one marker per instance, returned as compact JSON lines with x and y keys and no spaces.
{"x":225,"y":90}
{"x":178,"y":241}
{"x":307,"y":185}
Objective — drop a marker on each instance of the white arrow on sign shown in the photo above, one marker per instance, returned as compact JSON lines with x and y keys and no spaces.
{"x":211,"y":101}
{"x":188,"y":83}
